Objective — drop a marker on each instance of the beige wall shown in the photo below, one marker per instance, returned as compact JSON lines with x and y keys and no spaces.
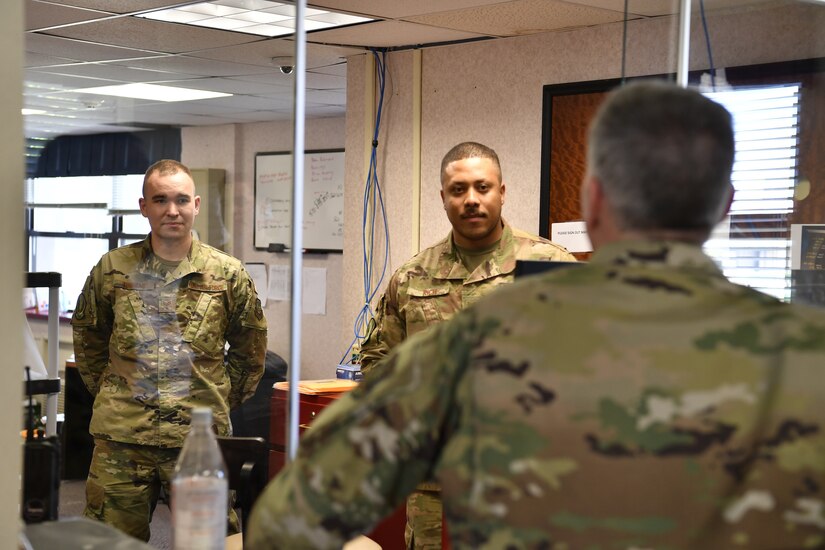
{"x":491,"y":91}
{"x":233,"y":148}
{"x":11,"y":269}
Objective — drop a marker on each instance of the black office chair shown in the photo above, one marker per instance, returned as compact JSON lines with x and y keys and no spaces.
{"x":251,"y":418}
{"x":247,"y":467}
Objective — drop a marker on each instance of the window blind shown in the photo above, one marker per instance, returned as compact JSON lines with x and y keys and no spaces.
{"x":752,"y":245}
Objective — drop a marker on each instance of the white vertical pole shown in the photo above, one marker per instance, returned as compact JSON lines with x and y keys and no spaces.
{"x":52,"y":366}
{"x":683,"y":61}
{"x":297,"y":227}
{"x":416,"y":146}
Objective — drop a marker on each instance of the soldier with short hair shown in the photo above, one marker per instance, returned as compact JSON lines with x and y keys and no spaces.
{"x":640,"y":400}
{"x":475,"y":258}
{"x":150,"y":330}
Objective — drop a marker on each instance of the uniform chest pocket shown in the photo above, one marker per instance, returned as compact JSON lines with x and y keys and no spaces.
{"x":428,"y":306}
{"x":208,"y":319}
{"x":133,"y":328}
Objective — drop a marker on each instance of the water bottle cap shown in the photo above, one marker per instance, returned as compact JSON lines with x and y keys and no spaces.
{"x":202,"y":415}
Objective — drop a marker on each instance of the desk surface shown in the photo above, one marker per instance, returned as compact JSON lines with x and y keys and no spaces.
{"x":79,"y":534}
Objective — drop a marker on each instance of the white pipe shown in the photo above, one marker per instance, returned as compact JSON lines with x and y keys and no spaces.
{"x":52,"y":367}
{"x":683,"y":60}
{"x":297,"y":228}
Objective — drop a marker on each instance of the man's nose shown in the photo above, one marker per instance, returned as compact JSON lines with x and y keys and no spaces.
{"x":471,"y":197}
{"x":172,"y":210}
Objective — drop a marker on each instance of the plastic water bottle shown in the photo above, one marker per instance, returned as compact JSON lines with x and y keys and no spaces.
{"x":200,"y":489}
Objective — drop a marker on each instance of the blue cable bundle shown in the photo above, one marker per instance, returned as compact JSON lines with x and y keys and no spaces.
{"x":373,"y":203}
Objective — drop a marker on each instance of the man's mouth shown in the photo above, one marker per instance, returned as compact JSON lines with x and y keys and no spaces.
{"x":472,"y":215}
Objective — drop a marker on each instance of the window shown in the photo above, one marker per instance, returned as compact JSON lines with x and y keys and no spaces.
{"x":752,"y":245}
{"x":71,"y":222}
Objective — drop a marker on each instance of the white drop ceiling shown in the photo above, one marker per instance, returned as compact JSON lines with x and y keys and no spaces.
{"x":75,"y":44}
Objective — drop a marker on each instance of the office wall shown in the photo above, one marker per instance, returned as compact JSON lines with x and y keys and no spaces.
{"x":11,"y":269}
{"x":491,"y":91}
{"x":233,"y":148}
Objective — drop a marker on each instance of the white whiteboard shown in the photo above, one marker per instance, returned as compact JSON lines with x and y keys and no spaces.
{"x":323,"y":200}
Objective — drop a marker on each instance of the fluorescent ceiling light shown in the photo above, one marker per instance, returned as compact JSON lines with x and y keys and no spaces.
{"x":32,"y":111}
{"x":152,"y":92}
{"x":259,"y":17}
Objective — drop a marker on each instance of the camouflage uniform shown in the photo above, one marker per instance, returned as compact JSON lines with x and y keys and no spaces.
{"x":149,"y":345}
{"x":639,"y":401}
{"x":434,"y":284}
{"x":430,"y":288}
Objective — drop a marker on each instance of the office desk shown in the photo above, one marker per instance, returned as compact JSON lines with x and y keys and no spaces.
{"x":79,"y":534}
{"x":390,"y":532}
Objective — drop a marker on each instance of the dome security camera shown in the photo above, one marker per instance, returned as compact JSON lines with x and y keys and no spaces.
{"x":286,"y":69}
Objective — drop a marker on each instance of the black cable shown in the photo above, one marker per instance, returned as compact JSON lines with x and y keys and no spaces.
{"x":624,"y":40}
{"x":707,"y":43}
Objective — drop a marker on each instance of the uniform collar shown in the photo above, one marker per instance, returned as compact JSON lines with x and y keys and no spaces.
{"x":655,"y":253}
{"x":450,"y":265}
{"x":149,"y":264}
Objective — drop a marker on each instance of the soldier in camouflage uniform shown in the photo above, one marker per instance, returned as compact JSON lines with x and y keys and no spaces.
{"x":477,"y":256}
{"x":150,"y":328}
{"x":639,"y":401}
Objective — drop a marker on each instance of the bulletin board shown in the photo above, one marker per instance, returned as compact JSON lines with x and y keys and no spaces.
{"x":323,"y":200}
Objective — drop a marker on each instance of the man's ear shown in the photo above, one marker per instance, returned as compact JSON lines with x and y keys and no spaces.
{"x":503,"y":191}
{"x":728,"y":203}
{"x":592,"y":197}
{"x":197,"y":204}
{"x":441,"y":194}
{"x":142,"y":205}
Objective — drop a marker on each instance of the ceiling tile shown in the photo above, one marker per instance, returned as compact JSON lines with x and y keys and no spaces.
{"x":263,"y":52}
{"x":235,"y":86}
{"x":395,"y":9}
{"x":80,"y":51}
{"x":646,"y":8}
{"x":114,"y":72}
{"x":520,"y":18}
{"x":655,"y":8}
{"x":384,"y":34}
{"x":118,"y":6}
{"x":336,"y":69}
{"x":197,"y":66}
{"x":40,"y":82}
{"x":41,"y":15}
{"x":159,"y":36}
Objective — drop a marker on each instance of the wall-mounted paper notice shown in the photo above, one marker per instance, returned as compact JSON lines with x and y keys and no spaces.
{"x":258,"y":273}
{"x":571,"y":235}
{"x":314,"y":291}
{"x":279,"y":276}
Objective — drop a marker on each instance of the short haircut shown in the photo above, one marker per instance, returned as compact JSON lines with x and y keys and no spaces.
{"x":164,"y":167}
{"x":664,"y":156}
{"x":467,"y":150}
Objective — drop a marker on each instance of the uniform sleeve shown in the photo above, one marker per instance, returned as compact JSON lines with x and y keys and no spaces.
{"x":386,"y":330}
{"x":364,"y":453}
{"x":92,"y":329}
{"x":246,"y":336}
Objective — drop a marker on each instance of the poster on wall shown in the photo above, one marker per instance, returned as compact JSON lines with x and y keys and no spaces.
{"x":323,"y":227}
{"x":807,"y":246}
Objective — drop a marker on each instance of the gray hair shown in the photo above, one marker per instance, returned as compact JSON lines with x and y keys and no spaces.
{"x":664,"y":156}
